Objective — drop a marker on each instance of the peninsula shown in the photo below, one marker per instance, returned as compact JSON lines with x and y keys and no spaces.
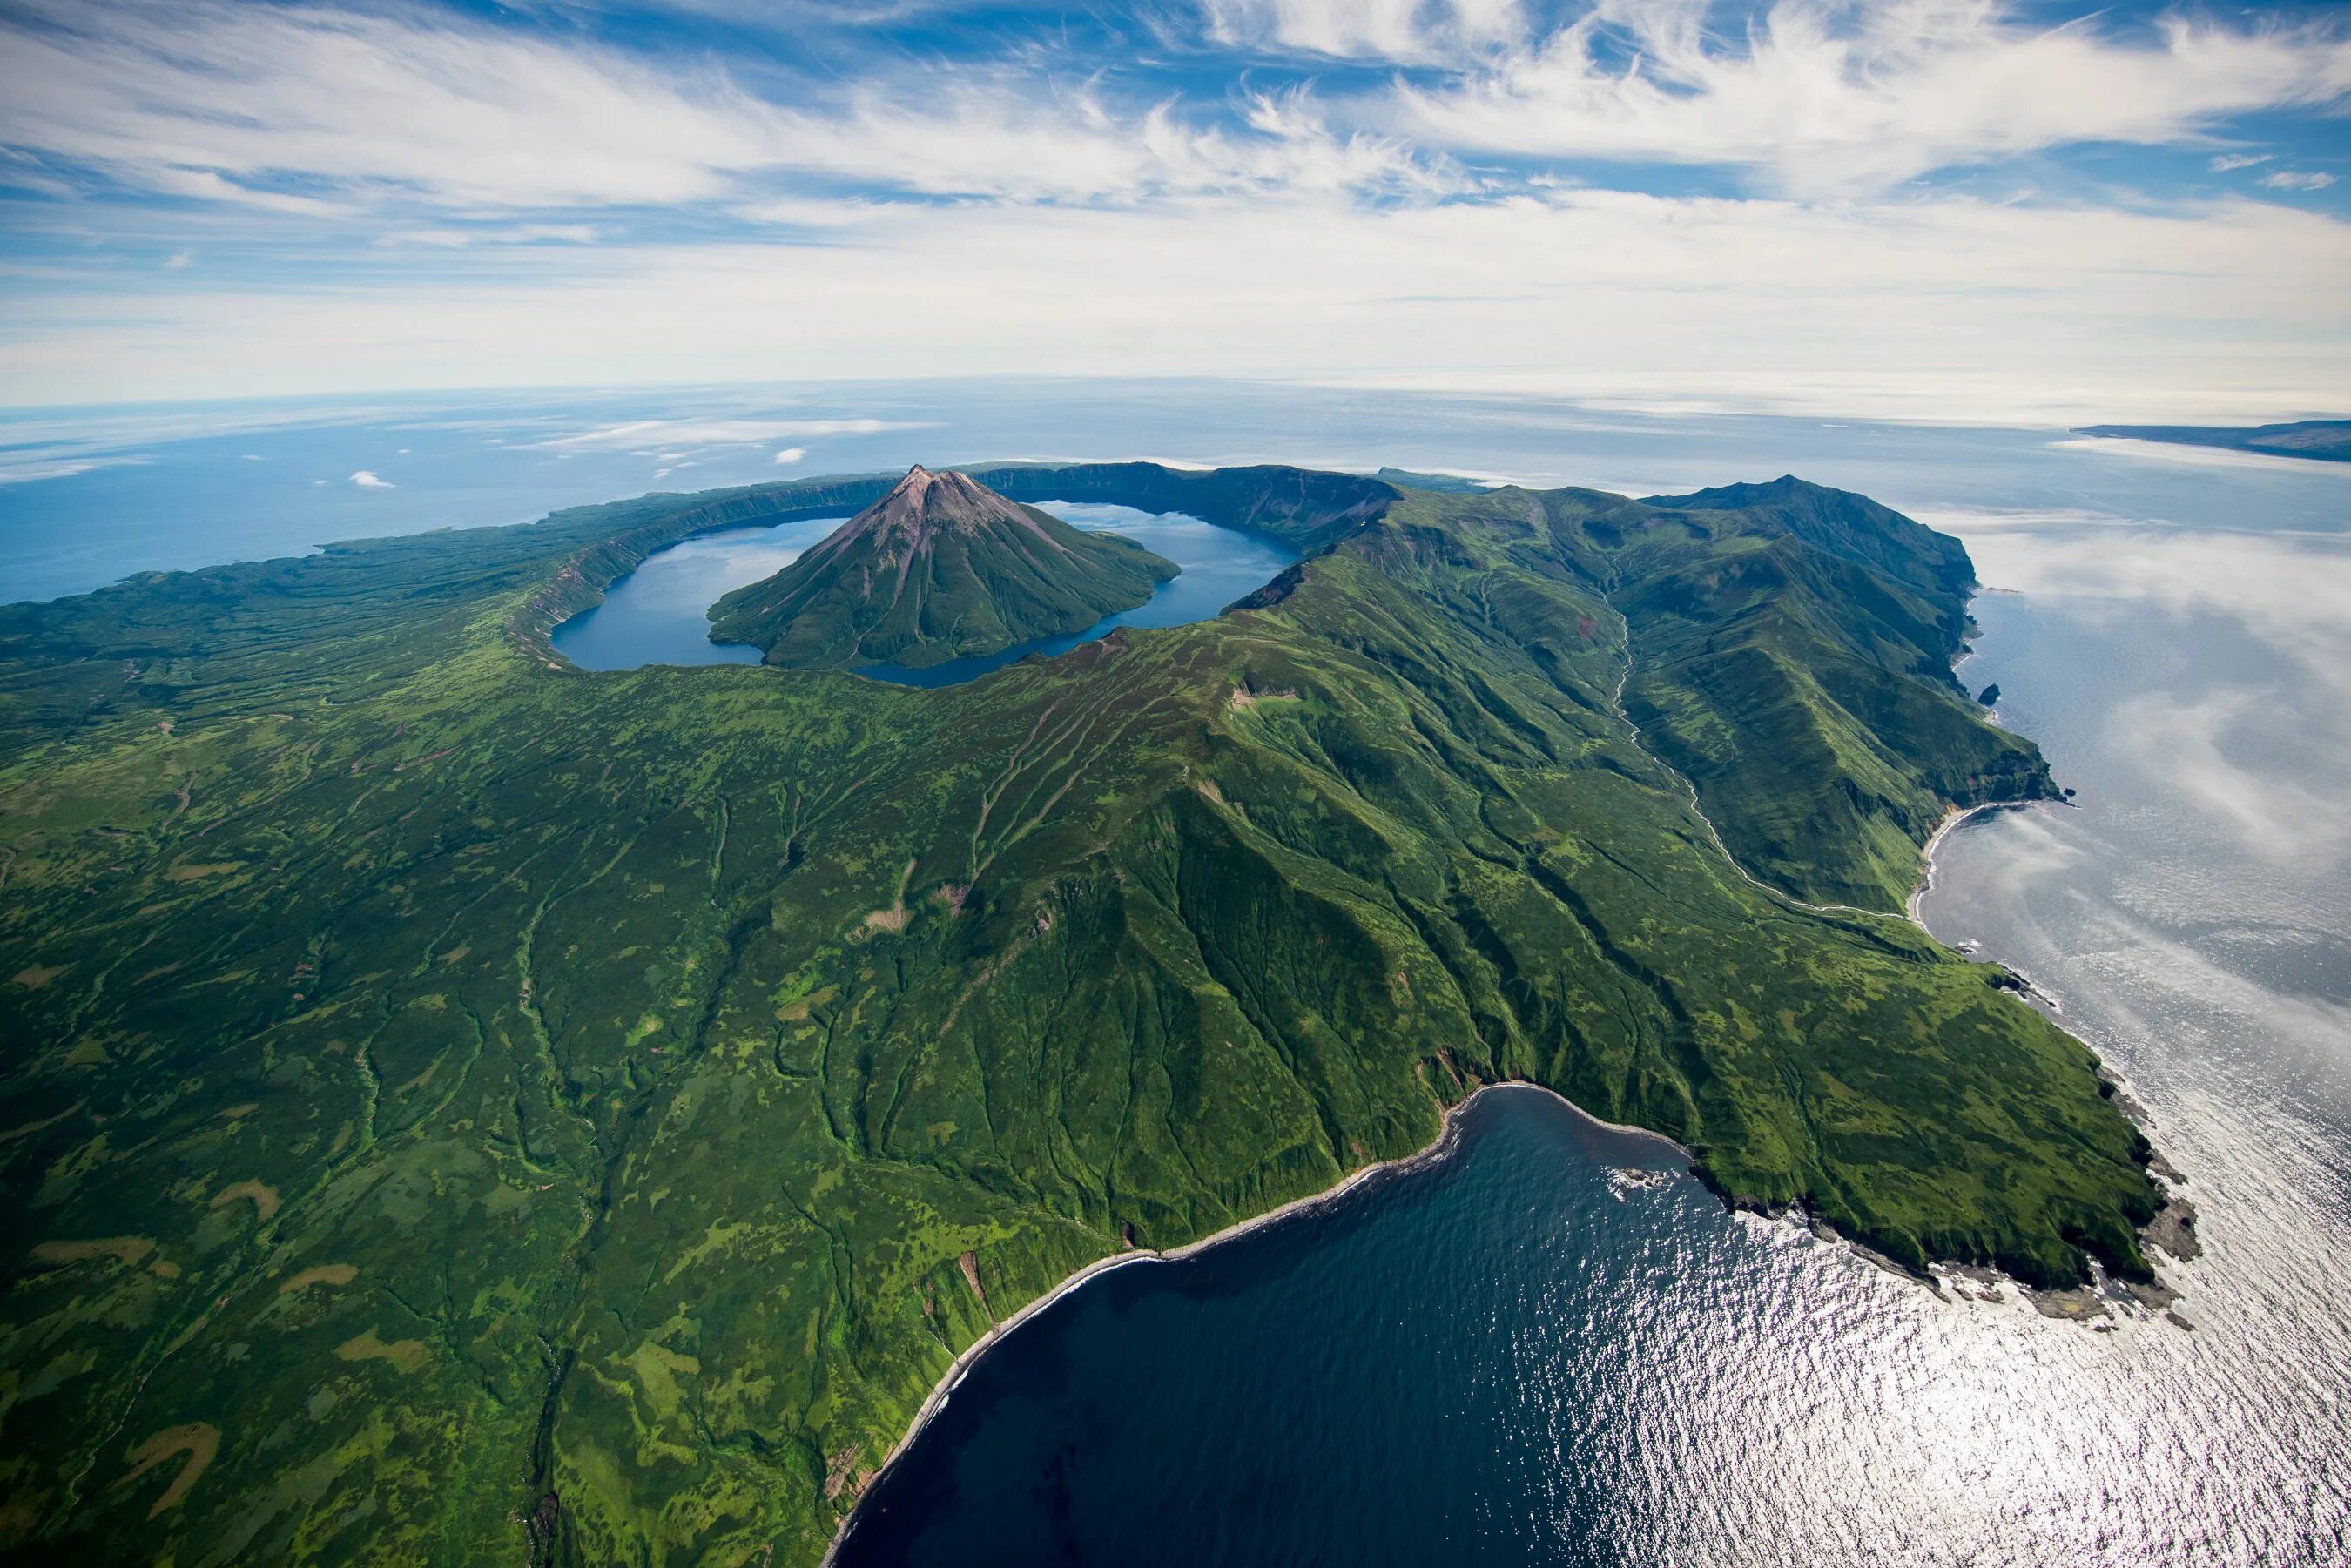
{"x":2328,"y":440}
{"x":462,"y":1107}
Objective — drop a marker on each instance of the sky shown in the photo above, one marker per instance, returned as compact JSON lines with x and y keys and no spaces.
{"x":1977,"y":210}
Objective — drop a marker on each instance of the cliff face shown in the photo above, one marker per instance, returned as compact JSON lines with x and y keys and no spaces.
{"x":940,"y":568}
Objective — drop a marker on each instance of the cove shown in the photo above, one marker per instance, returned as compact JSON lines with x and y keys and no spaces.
{"x":1367,"y":1381}
{"x":659,"y":613}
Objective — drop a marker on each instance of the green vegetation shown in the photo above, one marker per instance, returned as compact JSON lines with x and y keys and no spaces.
{"x":460,"y":1107}
{"x":2329,"y":439}
{"x":939,"y":569}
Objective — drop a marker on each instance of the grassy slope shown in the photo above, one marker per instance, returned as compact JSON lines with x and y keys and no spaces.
{"x":441,"y":1077}
{"x":1795,"y":647}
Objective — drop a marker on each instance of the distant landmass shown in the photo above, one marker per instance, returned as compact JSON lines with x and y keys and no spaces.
{"x":941,"y":567}
{"x":2326,"y":439}
{"x":461,"y":1107}
{"x":1449,"y":484}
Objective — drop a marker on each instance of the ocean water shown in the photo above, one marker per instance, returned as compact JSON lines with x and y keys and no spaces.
{"x":1519,"y":1354}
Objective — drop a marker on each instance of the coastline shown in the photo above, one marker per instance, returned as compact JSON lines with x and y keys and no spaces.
{"x":2060,"y":1305}
{"x":2172,"y":1225}
{"x":1952,"y":818}
{"x":1441,"y":1147}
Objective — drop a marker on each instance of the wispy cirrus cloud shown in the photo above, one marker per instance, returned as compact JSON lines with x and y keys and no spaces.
{"x":1828,"y":95}
{"x":310,"y":112}
{"x":238,"y":102}
{"x":1405,"y":30}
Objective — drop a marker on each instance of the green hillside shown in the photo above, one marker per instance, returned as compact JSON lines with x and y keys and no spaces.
{"x":940,"y":568}
{"x":459,"y":1107}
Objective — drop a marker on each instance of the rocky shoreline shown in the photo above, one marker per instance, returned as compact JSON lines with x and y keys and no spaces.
{"x":2172,"y":1230}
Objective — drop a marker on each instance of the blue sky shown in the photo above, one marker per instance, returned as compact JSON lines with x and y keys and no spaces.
{"x":1918,"y":208}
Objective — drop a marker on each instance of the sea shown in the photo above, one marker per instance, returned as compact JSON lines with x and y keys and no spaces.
{"x":1549,"y":1344}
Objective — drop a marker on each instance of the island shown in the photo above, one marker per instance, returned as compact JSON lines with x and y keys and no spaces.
{"x":462,"y":1107}
{"x":2326,"y":440}
{"x":941,"y":567}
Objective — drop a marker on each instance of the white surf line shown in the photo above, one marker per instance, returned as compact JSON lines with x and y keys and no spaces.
{"x":1951,"y":820}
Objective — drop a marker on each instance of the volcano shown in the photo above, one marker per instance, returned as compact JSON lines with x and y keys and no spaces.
{"x":941,"y":567}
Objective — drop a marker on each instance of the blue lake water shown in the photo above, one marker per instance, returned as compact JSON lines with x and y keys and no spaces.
{"x":659,"y":613}
{"x":1515,"y":1354}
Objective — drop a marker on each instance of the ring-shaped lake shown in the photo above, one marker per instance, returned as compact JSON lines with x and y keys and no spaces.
{"x":660,"y":613}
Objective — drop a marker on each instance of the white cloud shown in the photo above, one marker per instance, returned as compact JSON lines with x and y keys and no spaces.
{"x":789,"y":455}
{"x":2287,"y":592}
{"x":1404,"y":30}
{"x":2177,"y":452}
{"x":2228,"y":161}
{"x":1828,"y":95}
{"x":2297,"y":180}
{"x":206,"y":184}
{"x":508,"y":233}
{"x":17,"y":470}
{"x":214,"y":99}
{"x":667,"y":436}
{"x":2188,"y":745}
{"x":366,"y":479}
{"x":267,"y":107}
{"x":1937,"y":307}
{"x":818,"y":212}
{"x":1002,"y":141}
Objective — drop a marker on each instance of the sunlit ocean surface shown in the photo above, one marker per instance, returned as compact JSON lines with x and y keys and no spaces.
{"x":1520,"y":1354}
